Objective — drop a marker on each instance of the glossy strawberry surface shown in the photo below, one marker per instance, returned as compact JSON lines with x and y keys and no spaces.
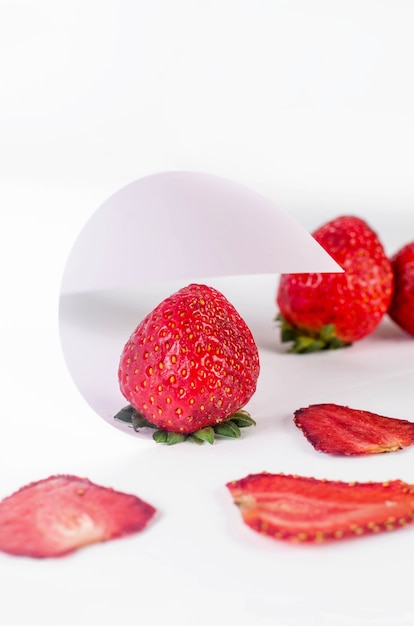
{"x":402,"y":304}
{"x":331,"y":310}
{"x":60,"y":514}
{"x":337,"y":429}
{"x":191,"y":363}
{"x":308,"y":510}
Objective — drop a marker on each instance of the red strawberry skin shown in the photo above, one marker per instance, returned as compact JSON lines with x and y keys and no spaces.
{"x":60,"y":514}
{"x":191,"y":363}
{"x":401,"y":309}
{"x":354,"y":301}
{"x":336,"y":429}
{"x":308,"y":510}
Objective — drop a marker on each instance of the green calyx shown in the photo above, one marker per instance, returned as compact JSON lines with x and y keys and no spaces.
{"x":304,"y":342}
{"x":229,"y":427}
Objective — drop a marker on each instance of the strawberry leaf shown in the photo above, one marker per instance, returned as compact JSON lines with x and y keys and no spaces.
{"x":205,"y":434}
{"x":160,"y":436}
{"x":165,"y":436}
{"x":125,"y":414}
{"x":227,"y":429}
{"x":304,"y":345}
{"x":131,"y":416}
{"x":173,"y":438}
{"x":138,"y":421}
{"x":328,"y":332}
{"x":305,"y":342}
{"x":242,"y":419}
{"x":193,"y":439}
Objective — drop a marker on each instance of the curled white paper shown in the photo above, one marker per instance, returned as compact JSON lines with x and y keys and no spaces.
{"x":186,"y":225}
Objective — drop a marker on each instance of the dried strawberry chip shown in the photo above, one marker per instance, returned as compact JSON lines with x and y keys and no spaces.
{"x":58,"y":515}
{"x":302,"y":509}
{"x":339,"y":429}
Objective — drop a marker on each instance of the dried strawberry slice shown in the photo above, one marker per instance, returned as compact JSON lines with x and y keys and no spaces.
{"x":58,"y":515}
{"x":302,"y":509}
{"x":339,"y":429}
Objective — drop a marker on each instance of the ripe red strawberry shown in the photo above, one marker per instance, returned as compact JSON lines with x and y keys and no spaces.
{"x":191,"y":364}
{"x":339,"y":429}
{"x":322,"y":311}
{"x":301,"y":509}
{"x":56,"y":516}
{"x":402,"y":304}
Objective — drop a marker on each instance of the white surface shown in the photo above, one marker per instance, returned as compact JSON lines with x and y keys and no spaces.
{"x":308,"y":103}
{"x":197,"y":553}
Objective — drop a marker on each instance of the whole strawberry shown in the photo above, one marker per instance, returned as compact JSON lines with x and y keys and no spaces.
{"x":323,"y":311}
{"x":401,"y":309}
{"x":189,"y":366}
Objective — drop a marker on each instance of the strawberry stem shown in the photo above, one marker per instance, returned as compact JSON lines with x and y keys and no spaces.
{"x":228,"y":428}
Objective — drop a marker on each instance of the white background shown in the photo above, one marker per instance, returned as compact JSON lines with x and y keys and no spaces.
{"x":308,"y":102}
